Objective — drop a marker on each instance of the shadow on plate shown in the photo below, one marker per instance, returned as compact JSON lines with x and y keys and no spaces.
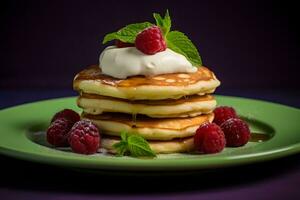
{"x":25,"y":175}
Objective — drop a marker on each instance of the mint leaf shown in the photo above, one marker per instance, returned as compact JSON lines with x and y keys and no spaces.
{"x":124,"y":136}
{"x":181,"y":44}
{"x":163,"y":23}
{"x":158,"y":20}
{"x":128,"y":33}
{"x":133,"y":145}
{"x":139,"y":147}
{"x":121,"y":148}
{"x":177,"y":41}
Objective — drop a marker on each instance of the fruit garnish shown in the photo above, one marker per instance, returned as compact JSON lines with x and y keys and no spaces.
{"x":209,"y":138}
{"x":150,"y":41}
{"x":69,"y":114}
{"x":237,"y":132}
{"x":58,"y":132}
{"x":223,"y":113}
{"x":133,"y":145}
{"x":84,"y":137}
{"x":175,"y":40}
{"x":127,"y":34}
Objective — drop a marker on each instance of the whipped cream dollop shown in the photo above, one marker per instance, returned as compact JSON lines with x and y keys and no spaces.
{"x":129,"y":61}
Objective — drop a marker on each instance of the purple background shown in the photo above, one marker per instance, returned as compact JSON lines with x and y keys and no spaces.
{"x":251,"y":45}
{"x":248,"y":44}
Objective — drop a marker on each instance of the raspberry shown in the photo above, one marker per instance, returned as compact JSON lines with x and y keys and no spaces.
{"x":223,"y":113}
{"x":84,"y":137}
{"x":237,"y":132}
{"x":121,"y":44}
{"x":58,"y":132}
{"x":209,"y":138}
{"x":68,"y":114}
{"x":150,"y":41}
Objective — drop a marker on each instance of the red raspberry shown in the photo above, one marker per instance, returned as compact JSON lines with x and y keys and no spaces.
{"x":58,"y":132}
{"x":68,"y":114}
{"x":121,"y":44}
{"x":237,"y":132}
{"x":84,"y":137}
{"x":209,"y":138}
{"x":150,"y":41}
{"x":223,"y":113}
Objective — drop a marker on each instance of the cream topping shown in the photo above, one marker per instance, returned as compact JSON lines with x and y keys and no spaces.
{"x":129,"y":61}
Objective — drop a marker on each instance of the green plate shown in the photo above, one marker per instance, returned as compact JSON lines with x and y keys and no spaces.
{"x":22,"y":136}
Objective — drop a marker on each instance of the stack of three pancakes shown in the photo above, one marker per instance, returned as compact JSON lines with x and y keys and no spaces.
{"x":165,"y":109}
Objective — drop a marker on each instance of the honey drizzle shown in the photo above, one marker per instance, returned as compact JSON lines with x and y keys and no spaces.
{"x":259,"y":137}
{"x":134,"y":119}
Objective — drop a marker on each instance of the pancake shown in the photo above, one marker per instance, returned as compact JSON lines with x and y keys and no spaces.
{"x":185,"y":107}
{"x":164,"y":86}
{"x":172,"y":146}
{"x":149,"y":128}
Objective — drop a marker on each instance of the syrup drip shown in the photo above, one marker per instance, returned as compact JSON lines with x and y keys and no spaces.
{"x":134,"y":119}
{"x":259,"y":137}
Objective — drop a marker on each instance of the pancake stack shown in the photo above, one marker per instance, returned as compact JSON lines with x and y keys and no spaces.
{"x":165,"y":109}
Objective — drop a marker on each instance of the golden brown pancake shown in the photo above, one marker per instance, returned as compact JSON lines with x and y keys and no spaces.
{"x":171,"y":146}
{"x":164,"y":86}
{"x":149,"y":128}
{"x":184,"y":107}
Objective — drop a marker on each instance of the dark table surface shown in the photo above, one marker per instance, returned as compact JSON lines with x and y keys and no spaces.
{"x":277,"y":179}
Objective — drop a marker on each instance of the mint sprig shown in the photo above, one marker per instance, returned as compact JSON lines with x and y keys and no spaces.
{"x":163,"y":23}
{"x":133,"y":145}
{"x":176,"y":41}
{"x":128,"y":33}
{"x":180,"y":43}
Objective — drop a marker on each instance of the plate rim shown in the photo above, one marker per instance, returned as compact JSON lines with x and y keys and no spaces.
{"x":155,"y":166}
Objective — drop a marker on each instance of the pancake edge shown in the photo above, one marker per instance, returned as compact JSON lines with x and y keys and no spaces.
{"x":160,"y":147}
{"x":186,"y":109}
{"x":146,"y":92}
{"x":114,"y":128}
